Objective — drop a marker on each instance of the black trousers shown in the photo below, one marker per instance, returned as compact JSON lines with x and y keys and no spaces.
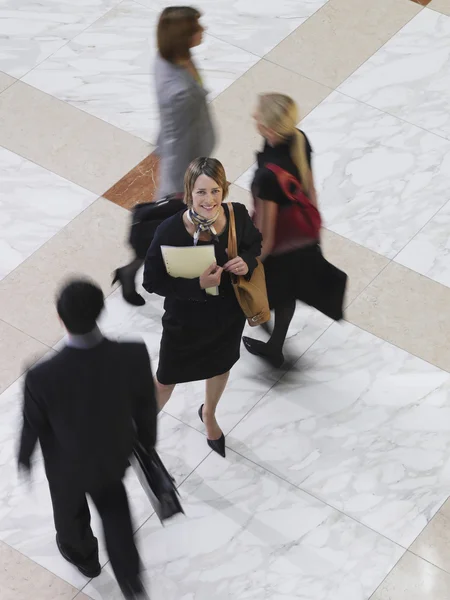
{"x":73,"y":527}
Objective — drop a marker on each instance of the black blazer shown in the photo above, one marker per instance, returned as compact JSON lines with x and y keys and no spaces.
{"x":173,"y":233}
{"x":88,"y":407}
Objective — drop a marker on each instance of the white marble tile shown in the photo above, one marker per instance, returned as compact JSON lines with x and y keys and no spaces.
{"x":250,"y":378}
{"x":32,"y":30}
{"x":248,"y":534}
{"x":26,"y":521}
{"x":429,"y":252}
{"x":379,"y":179}
{"x":107,"y":70}
{"x":34,"y":205}
{"x":253,"y":26}
{"x":364,"y":426}
{"x":410,"y":75}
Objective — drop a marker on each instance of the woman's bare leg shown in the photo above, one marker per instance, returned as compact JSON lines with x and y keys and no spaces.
{"x":163,"y":393}
{"x":214,"y":390}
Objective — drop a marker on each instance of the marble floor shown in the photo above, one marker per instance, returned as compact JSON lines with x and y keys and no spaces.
{"x":337,"y":476}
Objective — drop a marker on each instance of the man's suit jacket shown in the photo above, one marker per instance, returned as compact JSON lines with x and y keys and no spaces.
{"x":88,"y":408}
{"x":186,"y":130}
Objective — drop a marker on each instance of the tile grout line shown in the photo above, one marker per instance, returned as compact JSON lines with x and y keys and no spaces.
{"x":358,"y":67}
{"x":50,"y":171}
{"x":320,"y":500}
{"x":42,"y":567}
{"x":118,"y":3}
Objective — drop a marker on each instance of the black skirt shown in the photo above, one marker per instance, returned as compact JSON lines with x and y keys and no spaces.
{"x":204,"y":347}
{"x":306,"y":275}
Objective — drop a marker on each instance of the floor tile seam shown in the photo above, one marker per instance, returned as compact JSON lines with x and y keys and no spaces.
{"x":50,"y":239}
{"x":372,"y":596}
{"x":52,"y":172}
{"x":447,"y":203}
{"x":28,"y":558}
{"x":58,"y":341}
{"x":3,"y":320}
{"x":359,"y":66}
{"x":146,"y":520}
{"x":395,"y":345}
{"x":386,"y":112}
{"x":436,"y":10}
{"x":74,"y":107}
{"x":275,"y":383}
{"x":318,"y":11}
{"x":15,"y":80}
{"x":426,"y":559}
{"x":118,"y":2}
{"x":319,"y":499}
{"x":208,"y":33}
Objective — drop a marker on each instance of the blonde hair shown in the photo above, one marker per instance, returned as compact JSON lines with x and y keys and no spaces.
{"x":210,"y":167}
{"x":279,"y":113}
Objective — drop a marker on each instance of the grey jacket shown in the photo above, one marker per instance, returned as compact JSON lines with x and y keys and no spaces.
{"x":186,"y":130}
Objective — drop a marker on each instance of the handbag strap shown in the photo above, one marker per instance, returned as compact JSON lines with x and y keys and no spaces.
{"x":232,"y":239}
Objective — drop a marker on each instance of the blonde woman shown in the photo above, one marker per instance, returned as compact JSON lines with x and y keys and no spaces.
{"x":202,"y":333}
{"x":287,"y":215}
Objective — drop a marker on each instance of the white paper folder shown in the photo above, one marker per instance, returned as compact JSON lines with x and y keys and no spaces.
{"x":189,"y":261}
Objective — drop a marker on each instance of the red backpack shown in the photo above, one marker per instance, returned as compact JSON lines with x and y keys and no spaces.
{"x":298,"y":220}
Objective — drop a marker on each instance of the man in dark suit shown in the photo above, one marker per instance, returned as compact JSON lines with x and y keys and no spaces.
{"x":88,"y":406}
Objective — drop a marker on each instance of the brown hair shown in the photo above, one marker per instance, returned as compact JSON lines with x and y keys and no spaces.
{"x":279,"y":113}
{"x":210,"y":167}
{"x":176,"y":26}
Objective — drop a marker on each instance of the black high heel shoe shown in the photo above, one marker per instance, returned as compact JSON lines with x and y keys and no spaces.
{"x":128,"y":284}
{"x":260,"y":349}
{"x":216,"y":445}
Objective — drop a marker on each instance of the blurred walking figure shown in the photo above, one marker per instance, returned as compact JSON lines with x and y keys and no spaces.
{"x":186,"y":130}
{"x":88,"y":406}
{"x":201,"y":332}
{"x":287,"y":215}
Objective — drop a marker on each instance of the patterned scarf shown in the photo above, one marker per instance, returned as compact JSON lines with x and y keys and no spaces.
{"x":202,"y":225}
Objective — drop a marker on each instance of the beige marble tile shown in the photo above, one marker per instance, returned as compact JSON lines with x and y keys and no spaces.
{"x":23,"y":579}
{"x":408,"y":310}
{"x":361,"y":264}
{"x":5,"y":81}
{"x":433,"y":544}
{"x":233,"y":109}
{"x":238,"y":194}
{"x":65,"y":140}
{"x":17,"y":351}
{"x":442,"y":6}
{"x":92,"y":244}
{"x":337,"y":39}
{"x":414,"y":579}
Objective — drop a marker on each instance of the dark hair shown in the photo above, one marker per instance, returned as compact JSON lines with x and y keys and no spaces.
{"x":79,"y":305}
{"x":211,"y":167}
{"x":176,"y":26}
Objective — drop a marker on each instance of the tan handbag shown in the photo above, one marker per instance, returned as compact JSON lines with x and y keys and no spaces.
{"x":252,"y":294}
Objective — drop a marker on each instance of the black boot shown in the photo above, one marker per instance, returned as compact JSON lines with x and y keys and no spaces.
{"x":126,"y":276}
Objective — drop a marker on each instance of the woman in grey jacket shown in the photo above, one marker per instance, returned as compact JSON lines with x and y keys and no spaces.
{"x":186,"y":130}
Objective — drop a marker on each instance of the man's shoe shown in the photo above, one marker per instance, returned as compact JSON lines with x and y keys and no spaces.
{"x":89,"y":571}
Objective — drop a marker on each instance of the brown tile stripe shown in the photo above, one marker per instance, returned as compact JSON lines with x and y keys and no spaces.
{"x":422,"y":2}
{"x":138,"y":185}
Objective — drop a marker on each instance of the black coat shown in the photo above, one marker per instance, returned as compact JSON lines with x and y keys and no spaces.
{"x":87,"y":408}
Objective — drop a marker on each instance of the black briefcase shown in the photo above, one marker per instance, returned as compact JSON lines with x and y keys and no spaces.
{"x":157,"y":483}
{"x":147,"y":217}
